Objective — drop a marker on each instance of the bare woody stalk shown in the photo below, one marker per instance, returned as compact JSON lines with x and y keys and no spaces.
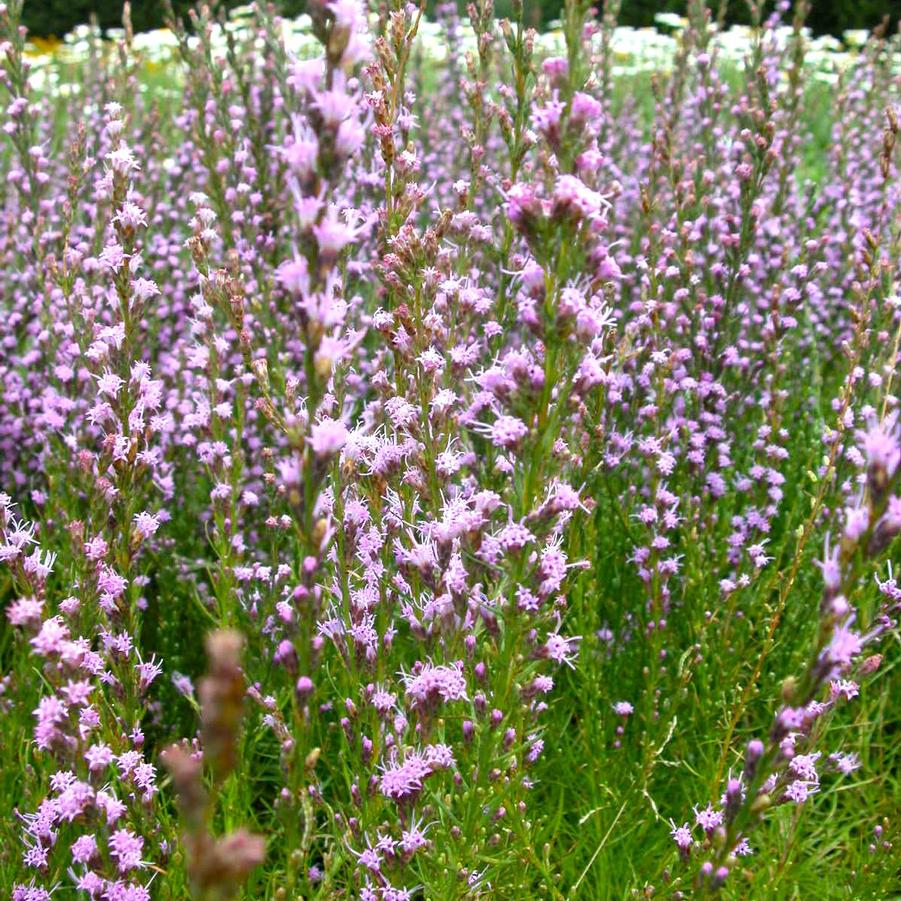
{"x":217,"y":867}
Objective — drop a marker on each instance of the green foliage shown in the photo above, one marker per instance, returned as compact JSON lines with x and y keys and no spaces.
{"x":827,"y":17}
{"x":45,"y":17}
{"x":58,"y":17}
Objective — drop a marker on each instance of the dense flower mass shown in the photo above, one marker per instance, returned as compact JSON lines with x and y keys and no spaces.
{"x":460,"y":475}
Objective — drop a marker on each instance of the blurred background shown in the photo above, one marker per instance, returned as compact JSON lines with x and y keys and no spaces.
{"x":58,"y":17}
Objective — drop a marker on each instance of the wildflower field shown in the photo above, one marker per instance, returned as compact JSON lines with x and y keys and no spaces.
{"x":442,"y":461}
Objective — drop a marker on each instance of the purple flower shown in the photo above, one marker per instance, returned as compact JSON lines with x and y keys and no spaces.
{"x":433,"y":684}
{"x":327,"y":437}
{"x":708,"y":818}
{"x":404,"y":780}
{"x":682,"y":836}
{"x":125,"y":848}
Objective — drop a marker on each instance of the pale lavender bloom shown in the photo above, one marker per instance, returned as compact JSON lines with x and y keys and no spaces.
{"x":327,"y":437}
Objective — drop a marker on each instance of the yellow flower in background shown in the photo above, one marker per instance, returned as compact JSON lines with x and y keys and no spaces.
{"x":38,"y":46}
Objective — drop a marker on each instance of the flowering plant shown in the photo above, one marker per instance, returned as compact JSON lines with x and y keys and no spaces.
{"x":433,"y":478}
